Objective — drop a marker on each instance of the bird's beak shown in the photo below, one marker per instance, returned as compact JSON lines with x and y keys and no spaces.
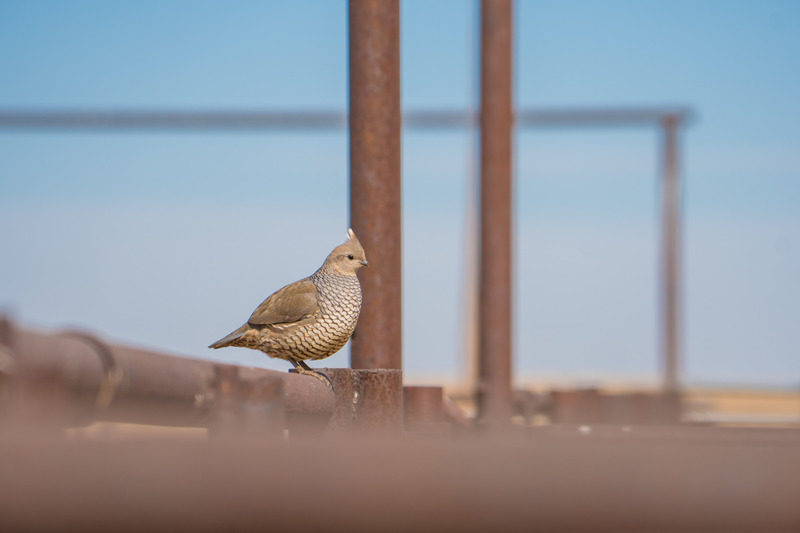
{"x":364,"y":262}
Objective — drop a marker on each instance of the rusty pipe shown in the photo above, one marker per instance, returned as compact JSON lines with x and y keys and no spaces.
{"x":375,"y":194}
{"x":109,"y":381}
{"x":495,"y":293}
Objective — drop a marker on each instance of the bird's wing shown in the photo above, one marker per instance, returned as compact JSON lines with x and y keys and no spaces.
{"x":289,"y":304}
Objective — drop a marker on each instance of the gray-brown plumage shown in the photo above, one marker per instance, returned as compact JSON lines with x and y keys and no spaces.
{"x":311,"y":318}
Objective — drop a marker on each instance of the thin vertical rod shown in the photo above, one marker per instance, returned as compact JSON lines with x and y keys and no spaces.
{"x":495,"y":300}
{"x":375,"y":177}
{"x":469,"y":312}
{"x":670,"y":255}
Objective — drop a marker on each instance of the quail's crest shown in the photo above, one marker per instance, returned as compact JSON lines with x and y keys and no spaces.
{"x":348,"y":257}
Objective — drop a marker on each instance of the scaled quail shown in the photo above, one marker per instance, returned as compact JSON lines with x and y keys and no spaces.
{"x":311,"y":318}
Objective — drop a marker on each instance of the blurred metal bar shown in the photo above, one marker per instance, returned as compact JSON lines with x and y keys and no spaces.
{"x":439,"y":119}
{"x":670,"y":255}
{"x":495,"y":400}
{"x":539,"y":118}
{"x":423,"y":404}
{"x":85,"y":379}
{"x":424,"y":413}
{"x":260,"y":120}
{"x":578,"y":406}
{"x":592,"y":406}
{"x":560,"y":480}
{"x":174,"y":120}
{"x":252,"y":408}
{"x":375,"y":178}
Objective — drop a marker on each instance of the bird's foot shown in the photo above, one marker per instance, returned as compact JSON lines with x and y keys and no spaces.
{"x":313,"y":373}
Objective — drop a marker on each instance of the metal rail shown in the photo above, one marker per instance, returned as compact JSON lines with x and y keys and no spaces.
{"x":260,"y":120}
{"x":75,"y":378}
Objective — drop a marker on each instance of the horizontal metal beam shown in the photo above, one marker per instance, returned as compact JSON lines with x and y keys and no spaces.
{"x":172,"y":120}
{"x":600,"y":117}
{"x":260,"y":120}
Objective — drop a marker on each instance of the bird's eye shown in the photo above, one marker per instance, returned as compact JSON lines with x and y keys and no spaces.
{"x":350,"y":256}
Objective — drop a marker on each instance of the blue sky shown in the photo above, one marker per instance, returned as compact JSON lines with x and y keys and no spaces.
{"x":170,"y":239}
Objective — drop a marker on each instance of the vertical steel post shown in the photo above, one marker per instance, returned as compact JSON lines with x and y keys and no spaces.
{"x":495,"y":295}
{"x":375,"y":177}
{"x":670,"y":255}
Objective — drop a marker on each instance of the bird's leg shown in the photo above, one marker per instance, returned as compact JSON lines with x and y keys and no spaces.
{"x":304,"y":365}
{"x":301,"y":368}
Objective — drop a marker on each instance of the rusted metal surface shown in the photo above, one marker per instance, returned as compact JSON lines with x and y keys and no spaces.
{"x":575,"y":406}
{"x":591,"y":406}
{"x":375,"y":194}
{"x":246,"y":407}
{"x":423,"y":404}
{"x":670,"y":256}
{"x":79,"y":378}
{"x":495,"y":293}
{"x":423,"y":409}
{"x":604,"y":480}
{"x":642,"y":408}
{"x":368,"y":401}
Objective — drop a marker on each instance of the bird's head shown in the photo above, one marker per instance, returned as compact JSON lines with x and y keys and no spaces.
{"x":347,"y":258}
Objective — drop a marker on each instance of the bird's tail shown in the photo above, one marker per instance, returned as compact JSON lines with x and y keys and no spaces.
{"x":230,"y":338}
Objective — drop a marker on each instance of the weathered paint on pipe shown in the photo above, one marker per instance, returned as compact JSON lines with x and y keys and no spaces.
{"x":368,"y":401}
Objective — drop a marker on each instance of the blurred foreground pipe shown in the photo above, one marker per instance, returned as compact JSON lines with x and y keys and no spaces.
{"x":494,"y":366}
{"x":89,"y":380}
{"x":692,"y":479}
{"x":375,"y":178}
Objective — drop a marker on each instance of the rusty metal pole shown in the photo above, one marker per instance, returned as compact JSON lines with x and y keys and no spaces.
{"x":670,"y":255}
{"x":495,"y":297}
{"x":375,"y":177}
